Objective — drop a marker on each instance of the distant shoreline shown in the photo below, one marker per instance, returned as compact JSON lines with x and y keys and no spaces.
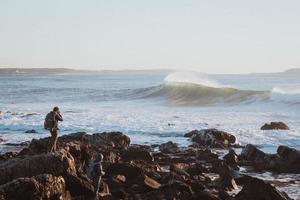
{"x":70,"y":71}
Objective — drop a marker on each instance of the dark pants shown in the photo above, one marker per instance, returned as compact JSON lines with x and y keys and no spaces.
{"x":96,"y":183}
{"x":54,"y":133}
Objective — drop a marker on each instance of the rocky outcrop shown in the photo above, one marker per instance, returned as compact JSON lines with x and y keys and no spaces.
{"x":212,"y":138}
{"x":97,"y":141}
{"x":44,"y":186}
{"x":169,"y":147}
{"x":58,"y":164}
{"x":287,"y":160}
{"x":257,"y":189}
{"x":274,"y":126}
{"x":31,"y":131}
{"x":131,"y":172}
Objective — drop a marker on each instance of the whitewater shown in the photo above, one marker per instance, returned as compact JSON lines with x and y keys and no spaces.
{"x":153,"y":108}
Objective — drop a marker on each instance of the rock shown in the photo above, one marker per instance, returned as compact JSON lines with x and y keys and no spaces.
{"x":58,"y":164}
{"x":288,"y":160}
{"x":226,"y":180}
{"x":45,"y":186}
{"x":212,"y":138}
{"x":275,"y":125}
{"x":130,"y":171}
{"x":31,"y":131}
{"x":25,"y":152}
{"x":136,"y":154}
{"x":257,"y":189}
{"x":98,"y":141}
{"x":252,"y":153}
{"x":169,"y":147}
{"x":191,"y":134}
{"x":172,"y":190}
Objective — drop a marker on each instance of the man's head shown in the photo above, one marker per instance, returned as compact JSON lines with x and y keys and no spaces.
{"x":55,"y":109}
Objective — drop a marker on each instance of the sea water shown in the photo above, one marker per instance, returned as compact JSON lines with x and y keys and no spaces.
{"x":155,"y":108}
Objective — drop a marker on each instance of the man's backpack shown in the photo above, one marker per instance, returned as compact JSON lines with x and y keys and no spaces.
{"x":48,"y":123}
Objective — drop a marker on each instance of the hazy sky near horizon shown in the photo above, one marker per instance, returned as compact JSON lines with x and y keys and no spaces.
{"x":214,"y":36}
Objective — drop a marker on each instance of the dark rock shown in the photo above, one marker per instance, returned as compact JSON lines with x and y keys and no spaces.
{"x":169,"y":147}
{"x":98,"y":141}
{"x":226,"y":180}
{"x":58,"y":164}
{"x":212,"y":138}
{"x":257,"y":189}
{"x":274,"y":126}
{"x":25,"y":152}
{"x":136,"y":154}
{"x":288,"y":160}
{"x":252,"y":153}
{"x":31,"y":131}
{"x":130,"y":171}
{"x":43,"y":186}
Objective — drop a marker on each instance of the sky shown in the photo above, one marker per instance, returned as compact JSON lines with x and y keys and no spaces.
{"x":212,"y":36}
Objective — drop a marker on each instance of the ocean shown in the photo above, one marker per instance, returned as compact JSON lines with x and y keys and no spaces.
{"x":156,"y":108}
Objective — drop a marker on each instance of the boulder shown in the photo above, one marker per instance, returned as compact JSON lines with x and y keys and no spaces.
{"x":169,"y":147}
{"x":44,"y":186}
{"x":58,"y":164}
{"x":212,"y":138}
{"x":275,"y":126}
{"x":288,"y":160}
{"x":136,"y":154}
{"x":97,"y":141}
{"x":252,"y":153}
{"x":31,"y":131}
{"x":257,"y":189}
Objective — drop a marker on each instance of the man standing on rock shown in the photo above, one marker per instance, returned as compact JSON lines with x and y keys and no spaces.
{"x":95,"y":172}
{"x":51,"y":124}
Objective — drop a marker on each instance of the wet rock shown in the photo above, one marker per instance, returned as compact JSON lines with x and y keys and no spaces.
{"x":169,"y":147}
{"x":288,"y":160}
{"x":212,"y":138}
{"x":136,"y":154}
{"x":257,"y":189}
{"x":25,"y":152}
{"x":226,"y":180}
{"x":130,"y":171}
{"x":60,"y":163}
{"x":45,"y":186}
{"x":172,"y":190}
{"x":274,"y":126}
{"x":98,"y":141}
{"x":31,"y":131}
{"x":252,"y":153}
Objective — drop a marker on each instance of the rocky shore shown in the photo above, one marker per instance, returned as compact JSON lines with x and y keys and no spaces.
{"x":134,"y":171}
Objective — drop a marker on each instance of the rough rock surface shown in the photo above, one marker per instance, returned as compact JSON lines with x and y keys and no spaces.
{"x":287,"y":160}
{"x":132,"y":172}
{"x":257,"y":189}
{"x":44,"y":186}
{"x":212,"y":138}
{"x":274,"y":126}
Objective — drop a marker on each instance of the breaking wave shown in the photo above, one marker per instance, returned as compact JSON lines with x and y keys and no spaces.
{"x":193,"y":89}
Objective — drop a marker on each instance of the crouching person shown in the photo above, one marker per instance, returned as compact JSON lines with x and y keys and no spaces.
{"x":95,"y":172}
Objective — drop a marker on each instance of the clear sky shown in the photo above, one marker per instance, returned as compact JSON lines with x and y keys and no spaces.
{"x":214,"y":36}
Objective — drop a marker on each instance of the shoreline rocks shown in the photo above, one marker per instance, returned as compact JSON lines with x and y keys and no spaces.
{"x":212,"y":138}
{"x":275,"y":126}
{"x":135,"y":171}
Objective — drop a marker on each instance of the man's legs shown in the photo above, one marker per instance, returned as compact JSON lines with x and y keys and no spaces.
{"x":53,"y":140}
{"x":97,"y":181}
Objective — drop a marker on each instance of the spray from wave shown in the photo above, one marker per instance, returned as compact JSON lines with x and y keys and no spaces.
{"x":194,"y":89}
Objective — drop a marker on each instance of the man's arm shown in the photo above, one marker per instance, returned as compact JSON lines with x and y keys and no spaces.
{"x":59,"y":117}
